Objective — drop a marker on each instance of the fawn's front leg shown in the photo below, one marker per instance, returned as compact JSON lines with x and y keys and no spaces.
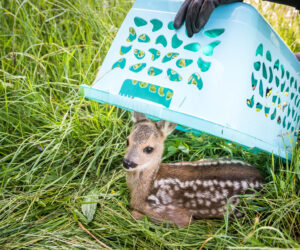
{"x":137,"y":215}
{"x":179,"y":216}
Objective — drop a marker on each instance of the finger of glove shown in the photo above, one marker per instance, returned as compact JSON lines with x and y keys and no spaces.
{"x":206,"y":10}
{"x":189,"y":19}
{"x":197,"y":4}
{"x":181,"y":14}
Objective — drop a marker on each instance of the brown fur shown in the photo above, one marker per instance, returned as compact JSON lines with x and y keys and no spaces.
{"x":181,"y":191}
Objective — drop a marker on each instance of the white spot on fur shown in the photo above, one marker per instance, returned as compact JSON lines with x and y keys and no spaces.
{"x":218,"y":195}
{"x":154,"y":198}
{"x":176,"y":188}
{"x":229,"y":183}
{"x":204,"y":211}
{"x":225,"y":192}
{"x":215,"y":182}
{"x":189,"y":195}
{"x":171,"y":207}
{"x":200,"y":201}
{"x":257,"y":184}
{"x":236,"y":185}
{"x":213,"y":211}
{"x":198,"y":182}
{"x":165,"y":187}
{"x":207,"y":203}
{"x":164,"y":197}
{"x":214,"y":199}
{"x":222,"y":184}
{"x":244,"y":184}
{"x":212,"y":188}
{"x":221,"y":209}
{"x":171,"y":192}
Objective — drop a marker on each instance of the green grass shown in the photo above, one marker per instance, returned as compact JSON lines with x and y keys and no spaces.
{"x":56,"y":147}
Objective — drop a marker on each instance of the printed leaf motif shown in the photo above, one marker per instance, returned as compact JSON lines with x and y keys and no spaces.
{"x":139,"y":21}
{"x":268,"y":92}
{"x":258,"y":107}
{"x":204,"y":66}
{"x":137,"y":67}
{"x":154,"y":71}
{"x":276,"y":65}
{"x":268,"y":56}
{"x":271,"y":75}
{"x":139,"y":54}
{"x":144,"y":38}
{"x":284,"y":122}
{"x":170,"y":56}
{"x":287,"y":74}
{"x":194,"y":47}
{"x":182,"y":63}
{"x":176,"y":42}
{"x":250,"y":102}
{"x":132,"y":35}
{"x":124,"y":50}
{"x":259,"y":50}
{"x":171,"y":26}
{"x":267,"y":111}
{"x":214,"y":32}
{"x":273,"y":116}
{"x":265,"y":75}
{"x":274,"y":98}
{"x":195,"y":79}
{"x":157,"y":24}
{"x":282,"y":71}
{"x":257,"y":66}
{"x":209,"y":49}
{"x":161,"y":40}
{"x":277,"y":81}
{"x":120,"y":63}
{"x":253,"y":82}
{"x":173,"y":75}
{"x":155,"y":54}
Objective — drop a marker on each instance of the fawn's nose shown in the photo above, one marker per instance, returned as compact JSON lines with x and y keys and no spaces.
{"x":129,"y":164}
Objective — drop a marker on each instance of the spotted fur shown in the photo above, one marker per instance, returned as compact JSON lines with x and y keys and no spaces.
{"x":179,"y":192}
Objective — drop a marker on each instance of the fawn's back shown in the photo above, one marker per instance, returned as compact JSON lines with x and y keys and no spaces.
{"x":202,"y":187}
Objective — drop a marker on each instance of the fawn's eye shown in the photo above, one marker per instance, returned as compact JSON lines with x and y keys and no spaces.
{"x":127,"y":142}
{"x":148,"y":150}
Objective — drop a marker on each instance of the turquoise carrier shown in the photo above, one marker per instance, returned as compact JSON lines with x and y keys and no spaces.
{"x":236,"y":79}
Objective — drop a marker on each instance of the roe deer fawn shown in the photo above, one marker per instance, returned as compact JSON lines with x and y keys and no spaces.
{"x":180,"y":192}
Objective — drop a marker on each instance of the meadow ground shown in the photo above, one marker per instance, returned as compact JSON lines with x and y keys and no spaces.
{"x":56,"y":147}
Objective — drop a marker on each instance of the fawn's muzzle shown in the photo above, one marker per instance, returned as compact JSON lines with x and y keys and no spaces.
{"x":129,"y":164}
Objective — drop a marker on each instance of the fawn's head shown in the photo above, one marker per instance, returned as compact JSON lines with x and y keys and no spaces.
{"x":145,"y":144}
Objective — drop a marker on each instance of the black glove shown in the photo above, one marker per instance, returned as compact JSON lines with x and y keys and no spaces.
{"x":196,"y":13}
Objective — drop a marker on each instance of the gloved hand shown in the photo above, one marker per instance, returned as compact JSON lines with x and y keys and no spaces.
{"x":196,"y":13}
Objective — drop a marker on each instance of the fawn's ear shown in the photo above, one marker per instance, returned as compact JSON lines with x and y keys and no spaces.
{"x":166,"y":127}
{"x":137,"y":117}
